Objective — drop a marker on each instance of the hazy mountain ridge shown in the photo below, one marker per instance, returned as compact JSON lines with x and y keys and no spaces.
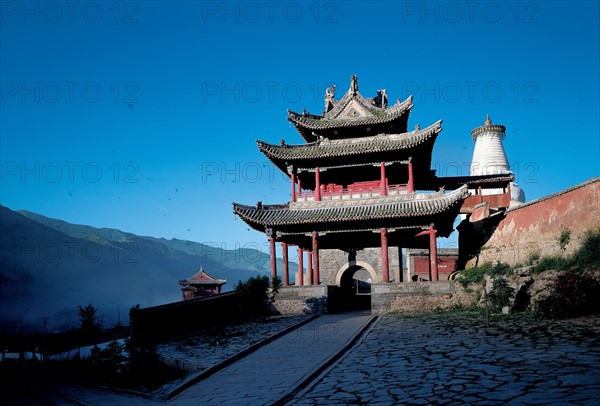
{"x":49,"y":266}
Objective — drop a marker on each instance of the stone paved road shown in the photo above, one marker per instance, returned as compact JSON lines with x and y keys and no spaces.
{"x":271,"y":372}
{"x":450,"y":359}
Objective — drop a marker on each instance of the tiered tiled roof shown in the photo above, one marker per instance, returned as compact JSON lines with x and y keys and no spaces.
{"x":353,"y":114}
{"x":356,"y":222}
{"x":312,"y":214}
{"x":353,"y":159}
{"x":284,"y":155}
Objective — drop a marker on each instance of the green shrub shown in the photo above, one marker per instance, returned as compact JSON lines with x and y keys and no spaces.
{"x":500,"y":294}
{"x":573,"y":294}
{"x":476,"y":274}
{"x":534,"y":256}
{"x":564,"y":238}
{"x":587,"y":257}
{"x":553,"y":263}
{"x":500,"y":269}
{"x":472,"y":275}
{"x":253,"y":295}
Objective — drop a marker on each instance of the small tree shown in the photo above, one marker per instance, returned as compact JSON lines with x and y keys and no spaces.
{"x":89,"y":320}
{"x":500,"y":294}
{"x":253,"y":296}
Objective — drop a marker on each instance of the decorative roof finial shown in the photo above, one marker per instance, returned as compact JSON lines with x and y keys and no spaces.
{"x":329,"y":97}
{"x":354,"y":84}
{"x":487,"y":120}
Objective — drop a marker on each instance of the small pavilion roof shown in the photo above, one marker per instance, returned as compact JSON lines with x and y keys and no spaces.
{"x":202,"y":278}
{"x":351,"y":111}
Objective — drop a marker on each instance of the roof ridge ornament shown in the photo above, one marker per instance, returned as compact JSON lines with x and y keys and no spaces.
{"x":382,"y":98}
{"x":353,"y":85}
{"x":487,"y":120}
{"x":329,"y":98}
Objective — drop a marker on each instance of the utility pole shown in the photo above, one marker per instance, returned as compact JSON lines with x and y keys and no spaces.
{"x":45,"y":319}
{"x":487,"y":312}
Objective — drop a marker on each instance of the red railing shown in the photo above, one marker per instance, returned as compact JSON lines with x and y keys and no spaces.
{"x":329,"y":192}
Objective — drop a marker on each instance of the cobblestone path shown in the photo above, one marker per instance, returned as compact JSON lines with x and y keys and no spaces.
{"x":453,"y":359}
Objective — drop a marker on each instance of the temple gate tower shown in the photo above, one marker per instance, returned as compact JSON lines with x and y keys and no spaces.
{"x":489,"y":157}
{"x":362,"y":188}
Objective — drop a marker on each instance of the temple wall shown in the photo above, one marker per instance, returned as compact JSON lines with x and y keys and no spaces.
{"x":533,"y":229}
{"x":413,"y":297}
{"x":331,"y":261}
{"x":296,"y":300}
{"x":160,"y":323}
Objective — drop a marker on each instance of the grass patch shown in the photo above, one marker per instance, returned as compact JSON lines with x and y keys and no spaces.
{"x":553,"y":263}
{"x":586,"y":258}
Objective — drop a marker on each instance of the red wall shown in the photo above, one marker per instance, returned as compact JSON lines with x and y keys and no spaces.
{"x":446,"y":265}
{"x":533,"y":229}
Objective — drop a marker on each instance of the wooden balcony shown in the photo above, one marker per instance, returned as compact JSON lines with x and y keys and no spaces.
{"x":359,"y":190}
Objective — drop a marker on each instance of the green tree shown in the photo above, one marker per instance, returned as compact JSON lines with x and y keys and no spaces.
{"x":89,"y":320}
{"x":500,"y":294}
{"x":253,"y":296}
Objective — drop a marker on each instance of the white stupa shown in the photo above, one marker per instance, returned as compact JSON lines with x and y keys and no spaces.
{"x":489,"y":157}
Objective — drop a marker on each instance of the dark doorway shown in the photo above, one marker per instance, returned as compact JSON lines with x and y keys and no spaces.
{"x":354,"y":292}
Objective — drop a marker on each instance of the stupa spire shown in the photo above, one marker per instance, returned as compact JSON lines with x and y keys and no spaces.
{"x":489,"y":156}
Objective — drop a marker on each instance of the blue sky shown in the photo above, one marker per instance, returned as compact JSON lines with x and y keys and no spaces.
{"x":142,"y":115}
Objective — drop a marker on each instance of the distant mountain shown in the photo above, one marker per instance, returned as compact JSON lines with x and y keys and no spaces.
{"x":49,"y":266}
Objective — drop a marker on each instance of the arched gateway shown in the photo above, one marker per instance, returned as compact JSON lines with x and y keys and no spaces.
{"x":354,"y":187}
{"x":351,"y":267}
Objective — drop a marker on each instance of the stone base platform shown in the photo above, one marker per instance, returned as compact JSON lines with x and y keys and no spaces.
{"x":406,"y":297}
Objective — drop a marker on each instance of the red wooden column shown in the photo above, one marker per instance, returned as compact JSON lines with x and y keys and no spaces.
{"x":273,"y":258}
{"x":432,"y":232}
{"x":433,"y":253}
{"x":300,"y":280}
{"x":383,"y":185}
{"x":384,"y":255}
{"x":317,"y":185}
{"x":299,"y":188}
{"x":411,"y":181}
{"x":286,"y":266}
{"x":293,"y":186}
{"x":309,"y":271}
{"x":315,"y":245}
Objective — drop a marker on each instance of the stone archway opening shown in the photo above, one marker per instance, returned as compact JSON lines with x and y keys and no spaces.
{"x":358,"y":280}
{"x":354,"y":288}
